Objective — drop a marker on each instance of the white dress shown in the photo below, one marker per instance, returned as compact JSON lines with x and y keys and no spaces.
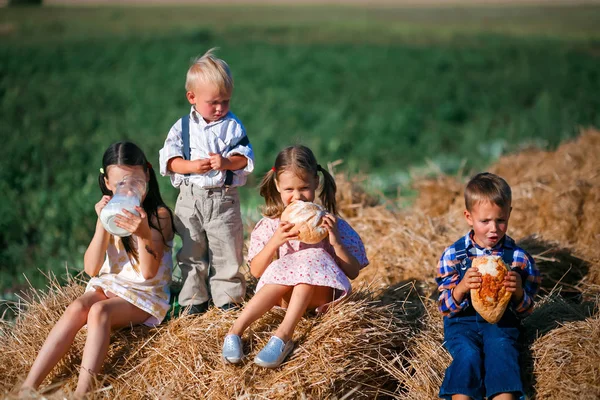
{"x":118,"y":277}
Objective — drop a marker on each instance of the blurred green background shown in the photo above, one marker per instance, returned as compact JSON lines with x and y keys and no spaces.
{"x":386,"y":89}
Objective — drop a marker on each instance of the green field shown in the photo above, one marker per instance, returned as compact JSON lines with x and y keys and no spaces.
{"x":384,"y":89}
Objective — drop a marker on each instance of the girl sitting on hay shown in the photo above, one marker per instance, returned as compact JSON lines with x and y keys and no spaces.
{"x":130,"y":275}
{"x":304,"y":276}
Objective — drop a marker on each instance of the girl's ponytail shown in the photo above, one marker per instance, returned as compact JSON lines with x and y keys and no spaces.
{"x":328,"y":191}
{"x":268,"y":189}
{"x":102,"y":183}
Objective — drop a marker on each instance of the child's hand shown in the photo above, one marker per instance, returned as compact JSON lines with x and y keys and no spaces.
{"x":218,"y":162}
{"x":471,"y":280}
{"x":202,"y":166}
{"x":330,"y":222}
{"x":514,"y":284}
{"x":284,"y":233}
{"x":137,"y":225}
{"x":101,"y":204}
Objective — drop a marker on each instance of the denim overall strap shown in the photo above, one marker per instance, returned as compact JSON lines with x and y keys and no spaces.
{"x":462,"y":257}
{"x":185,"y":137}
{"x":464,"y":263}
{"x":229,"y":173}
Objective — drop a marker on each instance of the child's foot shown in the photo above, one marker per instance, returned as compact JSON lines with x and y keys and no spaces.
{"x":197,"y":309}
{"x":232,"y":349}
{"x":229,"y":307}
{"x":273,"y":354}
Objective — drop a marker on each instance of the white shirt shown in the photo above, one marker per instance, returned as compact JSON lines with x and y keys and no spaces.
{"x":222,"y":137}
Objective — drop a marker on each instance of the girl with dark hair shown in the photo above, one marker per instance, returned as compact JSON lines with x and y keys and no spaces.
{"x":303,"y":276}
{"x":130,"y":275}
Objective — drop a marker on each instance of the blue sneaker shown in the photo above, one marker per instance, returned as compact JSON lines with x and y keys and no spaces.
{"x":273,"y":354}
{"x":233,"y":351}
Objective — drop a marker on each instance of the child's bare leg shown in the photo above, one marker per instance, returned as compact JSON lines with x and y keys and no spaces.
{"x":61,"y":337}
{"x":267,"y":297}
{"x":303,"y":296}
{"x":460,"y":397}
{"x":104,"y":316}
{"x":504,"y":396}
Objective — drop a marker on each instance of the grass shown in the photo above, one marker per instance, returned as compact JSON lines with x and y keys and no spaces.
{"x":384,"y":89}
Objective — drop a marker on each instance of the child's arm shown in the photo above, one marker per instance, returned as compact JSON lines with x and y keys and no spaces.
{"x":263,"y":258}
{"x":240,"y":152}
{"x":171,"y":156}
{"x":150,"y":242}
{"x":96,"y":252}
{"x":345,"y":260}
{"x":180,"y":166}
{"x":523,"y":292}
{"x":453,"y":291}
{"x":233,"y":162}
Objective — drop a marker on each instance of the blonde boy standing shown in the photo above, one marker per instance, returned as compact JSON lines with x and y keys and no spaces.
{"x":207,"y":155}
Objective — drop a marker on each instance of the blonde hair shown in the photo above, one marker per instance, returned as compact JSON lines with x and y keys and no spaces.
{"x":485,"y":187}
{"x":210,"y":69}
{"x":301,"y":161}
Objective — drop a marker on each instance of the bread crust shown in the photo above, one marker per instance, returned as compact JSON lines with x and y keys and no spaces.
{"x":307,"y":218}
{"x":492,"y":298}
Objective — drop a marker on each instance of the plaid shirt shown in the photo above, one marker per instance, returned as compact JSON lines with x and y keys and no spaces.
{"x":448,"y":276}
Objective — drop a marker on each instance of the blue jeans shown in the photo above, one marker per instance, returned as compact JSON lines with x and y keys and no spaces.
{"x":485,"y":357}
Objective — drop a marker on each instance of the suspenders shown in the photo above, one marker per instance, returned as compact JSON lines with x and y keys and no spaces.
{"x":185,"y":136}
{"x":465,"y":261}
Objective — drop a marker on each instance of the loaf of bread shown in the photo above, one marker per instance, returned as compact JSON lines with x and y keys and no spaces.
{"x":491,"y":299}
{"x":307,"y":219}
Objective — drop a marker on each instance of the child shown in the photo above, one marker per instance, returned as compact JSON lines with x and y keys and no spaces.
{"x":304,"y":276}
{"x":207,"y":155}
{"x":485,"y":356}
{"x":130,"y":275}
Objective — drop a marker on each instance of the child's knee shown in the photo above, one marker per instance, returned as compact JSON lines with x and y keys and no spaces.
{"x":99,"y":313}
{"x":465,"y":352}
{"x":77,"y":310}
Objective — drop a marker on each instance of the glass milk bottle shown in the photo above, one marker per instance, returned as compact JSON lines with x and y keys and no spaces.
{"x":127,"y":195}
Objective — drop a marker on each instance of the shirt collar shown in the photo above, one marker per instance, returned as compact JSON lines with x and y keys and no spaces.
{"x":506,"y":242}
{"x":197,"y":118}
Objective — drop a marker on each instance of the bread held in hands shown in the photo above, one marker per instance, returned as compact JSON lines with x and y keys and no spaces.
{"x":307,"y":219}
{"x":492,"y":298}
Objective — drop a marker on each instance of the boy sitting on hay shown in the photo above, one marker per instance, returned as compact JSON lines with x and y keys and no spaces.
{"x":482,"y":306}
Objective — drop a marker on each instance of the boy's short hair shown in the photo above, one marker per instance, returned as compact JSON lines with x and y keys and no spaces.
{"x":210,"y":69}
{"x":487,"y":187}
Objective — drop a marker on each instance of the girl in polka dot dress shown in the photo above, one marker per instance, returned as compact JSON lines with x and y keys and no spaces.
{"x":294,"y":275}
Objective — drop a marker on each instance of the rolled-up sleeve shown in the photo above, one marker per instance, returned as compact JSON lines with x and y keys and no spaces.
{"x":172,"y":148}
{"x":240,"y":144}
{"x":447,"y":279}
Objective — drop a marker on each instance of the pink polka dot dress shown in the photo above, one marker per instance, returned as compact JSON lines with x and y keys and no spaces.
{"x":313,"y":264}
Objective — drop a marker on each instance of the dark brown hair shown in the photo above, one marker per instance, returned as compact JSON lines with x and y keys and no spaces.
{"x":301,"y":161}
{"x":127,"y":153}
{"x":487,"y":187}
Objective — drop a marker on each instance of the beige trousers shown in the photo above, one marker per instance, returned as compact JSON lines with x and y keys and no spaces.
{"x":209,"y":222}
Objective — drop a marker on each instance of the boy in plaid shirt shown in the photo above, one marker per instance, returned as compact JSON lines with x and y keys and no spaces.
{"x":485,"y":356}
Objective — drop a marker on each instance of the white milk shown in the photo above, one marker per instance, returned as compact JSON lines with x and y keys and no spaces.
{"x":128,"y":194}
{"x":114,"y":207}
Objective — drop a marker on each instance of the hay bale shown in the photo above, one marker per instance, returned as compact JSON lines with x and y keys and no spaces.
{"x":22,"y":340}
{"x":338,"y":353}
{"x":419,"y":370}
{"x":385,"y":342}
{"x":567,"y":362}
